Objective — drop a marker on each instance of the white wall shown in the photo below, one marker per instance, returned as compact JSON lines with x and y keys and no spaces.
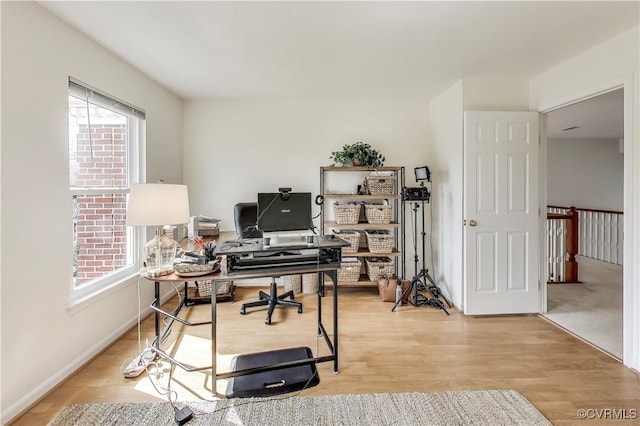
{"x":445,"y":162}
{"x":496,"y":93}
{"x":42,"y":341}
{"x":611,"y":64}
{"x":234,"y":149}
{"x":586,"y":173}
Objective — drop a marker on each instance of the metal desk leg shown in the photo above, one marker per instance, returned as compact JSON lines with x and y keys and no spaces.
{"x":334,"y":278}
{"x":214,"y":348}
{"x":319,"y":295}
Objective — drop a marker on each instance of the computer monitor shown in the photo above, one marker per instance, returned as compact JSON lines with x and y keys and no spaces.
{"x":284,"y":211}
{"x":284,"y":218}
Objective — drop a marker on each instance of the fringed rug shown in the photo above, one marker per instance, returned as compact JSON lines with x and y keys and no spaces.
{"x":491,"y":407}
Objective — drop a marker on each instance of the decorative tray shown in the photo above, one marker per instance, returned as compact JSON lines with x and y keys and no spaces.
{"x":195,"y":270}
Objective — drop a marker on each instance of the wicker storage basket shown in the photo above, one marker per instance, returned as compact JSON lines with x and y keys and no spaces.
{"x":352,"y":237}
{"x":346,"y":214}
{"x":377,"y":213}
{"x":378,"y":267}
{"x":204,"y":288}
{"x":293,"y":283}
{"x":380,"y":185}
{"x":224,"y":289}
{"x":349,"y":271}
{"x":208,"y":232}
{"x":379,"y":241}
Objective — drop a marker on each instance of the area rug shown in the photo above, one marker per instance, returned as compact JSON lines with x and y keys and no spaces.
{"x":490,"y":407}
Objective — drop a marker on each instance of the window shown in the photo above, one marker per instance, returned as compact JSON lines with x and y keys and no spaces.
{"x":105,"y":145}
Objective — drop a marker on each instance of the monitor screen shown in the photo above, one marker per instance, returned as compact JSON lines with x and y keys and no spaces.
{"x":284,"y":211}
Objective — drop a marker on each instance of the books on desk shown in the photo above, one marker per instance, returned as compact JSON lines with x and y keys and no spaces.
{"x":208,"y":226}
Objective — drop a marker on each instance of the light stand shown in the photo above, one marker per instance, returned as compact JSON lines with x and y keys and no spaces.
{"x":421,"y":281}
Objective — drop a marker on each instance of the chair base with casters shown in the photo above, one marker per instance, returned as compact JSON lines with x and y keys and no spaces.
{"x":272,"y":300}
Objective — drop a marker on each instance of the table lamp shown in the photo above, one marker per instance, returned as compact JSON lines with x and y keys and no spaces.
{"x":158,"y":204}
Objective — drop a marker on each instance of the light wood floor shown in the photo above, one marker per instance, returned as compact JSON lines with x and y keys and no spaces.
{"x":411,"y":350}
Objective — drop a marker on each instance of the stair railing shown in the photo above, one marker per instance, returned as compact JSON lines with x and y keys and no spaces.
{"x":597,"y":234}
{"x":562,"y":248}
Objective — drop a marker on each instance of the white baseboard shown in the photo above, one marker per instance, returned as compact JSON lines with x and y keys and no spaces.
{"x":23,"y":404}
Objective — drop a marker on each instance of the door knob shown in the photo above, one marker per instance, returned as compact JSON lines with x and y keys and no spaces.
{"x":473,"y":223}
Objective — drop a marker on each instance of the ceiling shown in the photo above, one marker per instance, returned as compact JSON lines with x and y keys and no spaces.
{"x":341,"y":50}
{"x":599,"y":117}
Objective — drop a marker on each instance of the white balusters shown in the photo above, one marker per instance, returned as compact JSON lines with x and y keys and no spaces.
{"x":557,"y":247}
{"x":600,"y":235}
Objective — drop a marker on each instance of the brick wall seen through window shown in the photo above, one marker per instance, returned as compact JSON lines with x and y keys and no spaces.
{"x":100,"y":234}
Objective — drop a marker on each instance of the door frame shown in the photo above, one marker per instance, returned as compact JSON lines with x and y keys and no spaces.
{"x":631,"y":286}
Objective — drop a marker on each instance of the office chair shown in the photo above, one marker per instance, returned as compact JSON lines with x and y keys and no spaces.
{"x":245,"y":217}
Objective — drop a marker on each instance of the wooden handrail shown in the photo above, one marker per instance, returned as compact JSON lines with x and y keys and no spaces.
{"x":587,"y":210}
{"x":558,"y":216}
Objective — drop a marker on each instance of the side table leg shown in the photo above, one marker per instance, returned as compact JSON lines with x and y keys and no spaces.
{"x":214,"y":336}
{"x":156,"y":303}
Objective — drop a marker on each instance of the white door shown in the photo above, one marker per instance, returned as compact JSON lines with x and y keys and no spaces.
{"x":501,"y":208}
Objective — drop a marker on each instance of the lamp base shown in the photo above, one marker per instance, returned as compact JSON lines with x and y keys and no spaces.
{"x":159,"y":254}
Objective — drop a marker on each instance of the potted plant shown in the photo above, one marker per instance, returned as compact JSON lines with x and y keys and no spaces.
{"x":358,"y":154}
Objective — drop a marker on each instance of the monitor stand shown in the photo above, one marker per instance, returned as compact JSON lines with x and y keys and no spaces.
{"x":288,"y":238}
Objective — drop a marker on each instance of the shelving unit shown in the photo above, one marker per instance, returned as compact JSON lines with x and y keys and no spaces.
{"x":340,"y":184}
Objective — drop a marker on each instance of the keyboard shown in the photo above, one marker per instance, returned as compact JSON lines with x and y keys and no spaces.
{"x":277,"y":253}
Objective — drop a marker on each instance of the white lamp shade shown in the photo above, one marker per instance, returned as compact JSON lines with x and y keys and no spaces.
{"x":157,"y":204}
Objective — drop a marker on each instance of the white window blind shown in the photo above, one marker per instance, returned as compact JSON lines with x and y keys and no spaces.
{"x":91,"y":94}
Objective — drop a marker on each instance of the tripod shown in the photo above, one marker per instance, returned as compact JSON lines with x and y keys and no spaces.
{"x":421,"y":281}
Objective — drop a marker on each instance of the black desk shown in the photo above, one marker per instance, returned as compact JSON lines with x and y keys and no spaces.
{"x":329,"y":269}
{"x":329,"y":243}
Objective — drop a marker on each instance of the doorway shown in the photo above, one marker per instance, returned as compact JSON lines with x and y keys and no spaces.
{"x":585,"y":169}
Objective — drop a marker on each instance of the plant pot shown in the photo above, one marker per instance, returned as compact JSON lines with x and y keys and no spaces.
{"x":357,"y":162}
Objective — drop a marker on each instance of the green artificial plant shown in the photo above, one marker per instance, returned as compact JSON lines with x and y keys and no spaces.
{"x":357,"y":154}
